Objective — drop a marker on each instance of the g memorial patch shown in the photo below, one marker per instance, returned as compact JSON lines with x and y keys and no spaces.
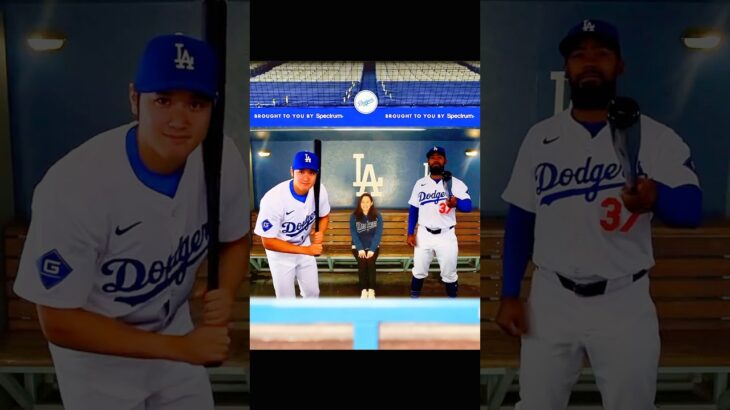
{"x":52,"y":269}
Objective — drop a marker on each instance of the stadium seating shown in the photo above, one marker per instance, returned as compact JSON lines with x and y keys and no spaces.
{"x":307,"y":84}
{"x":426,"y":84}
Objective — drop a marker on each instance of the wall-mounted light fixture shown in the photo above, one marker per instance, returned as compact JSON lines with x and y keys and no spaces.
{"x":701,"y":38}
{"x":46,"y":41}
{"x":471,"y":152}
{"x":472,"y":132}
{"x":264,"y":153}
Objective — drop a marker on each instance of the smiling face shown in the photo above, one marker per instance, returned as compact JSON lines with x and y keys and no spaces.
{"x":171,"y":125}
{"x":365,"y":204}
{"x":436,"y":163}
{"x":592,"y":69}
{"x":304,"y":180}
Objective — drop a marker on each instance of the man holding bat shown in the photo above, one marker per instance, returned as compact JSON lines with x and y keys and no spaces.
{"x":573,"y":200}
{"x":286,"y":217}
{"x":433,"y":205}
{"x":118,"y":231}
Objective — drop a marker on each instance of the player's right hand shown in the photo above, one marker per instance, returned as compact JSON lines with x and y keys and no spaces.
{"x":318,"y":237}
{"x":315,"y":249}
{"x":206,"y":344}
{"x":361,"y":253}
{"x":511,"y":317}
{"x":452,"y":202}
{"x":411,"y":240}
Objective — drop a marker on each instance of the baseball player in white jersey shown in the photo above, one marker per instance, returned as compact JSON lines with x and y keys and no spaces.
{"x":432,"y":206}
{"x":118,"y":230}
{"x":285,"y":221}
{"x":592,"y":238}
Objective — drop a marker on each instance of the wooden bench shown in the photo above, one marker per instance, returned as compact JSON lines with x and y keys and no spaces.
{"x":24,"y":350}
{"x":395,"y":253}
{"x":690,"y":285}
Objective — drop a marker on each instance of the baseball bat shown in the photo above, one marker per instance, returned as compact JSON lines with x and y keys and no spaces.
{"x":318,"y":152}
{"x":215,"y":36}
{"x":623,"y":117}
{"x":447,"y":182}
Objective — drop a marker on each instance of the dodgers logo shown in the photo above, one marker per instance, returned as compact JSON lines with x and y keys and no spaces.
{"x":266,"y":225}
{"x":366,"y":102}
{"x":292,"y":229}
{"x":184,"y":60}
{"x":362,"y":227}
{"x":435,"y":197}
{"x":366,"y":179}
{"x":588,"y":26}
{"x":548,"y":178}
{"x":52,"y":268}
{"x":307,"y":158}
{"x":136,"y":283}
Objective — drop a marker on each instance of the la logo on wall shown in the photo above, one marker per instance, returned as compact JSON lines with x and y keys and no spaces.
{"x":366,"y":102}
{"x":366,"y":180}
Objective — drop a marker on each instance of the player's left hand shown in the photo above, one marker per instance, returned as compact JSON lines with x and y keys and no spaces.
{"x":451,"y":202}
{"x":217,"y":307}
{"x":318,"y":237}
{"x":643,"y":199}
{"x":370,"y":254}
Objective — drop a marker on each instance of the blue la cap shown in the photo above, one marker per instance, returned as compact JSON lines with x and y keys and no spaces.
{"x":177,"y":62}
{"x":436,"y":150}
{"x":305,"y":160}
{"x":603,"y":31}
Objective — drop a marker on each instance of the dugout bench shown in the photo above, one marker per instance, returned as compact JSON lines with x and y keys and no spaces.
{"x":690,"y":285}
{"x":395,"y":254}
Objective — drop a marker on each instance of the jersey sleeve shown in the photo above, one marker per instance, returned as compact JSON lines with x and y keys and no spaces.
{"x":414,"y":197}
{"x":268,"y":222}
{"x":324,"y":202}
{"x":235,"y":212}
{"x":66,"y":236}
{"x":520,"y":189}
{"x":459,"y":189}
{"x":673,"y":165}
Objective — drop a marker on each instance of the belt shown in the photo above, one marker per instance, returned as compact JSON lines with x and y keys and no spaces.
{"x":437,"y":231}
{"x":594,"y":288}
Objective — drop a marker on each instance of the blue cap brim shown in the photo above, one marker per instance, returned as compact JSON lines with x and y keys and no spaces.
{"x":177,"y":85}
{"x":569,"y":43}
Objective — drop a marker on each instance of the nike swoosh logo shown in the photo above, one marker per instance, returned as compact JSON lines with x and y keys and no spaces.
{"x":289,"y":212}
{"x":547,"y":141}
{"x":423,"y":184}
{"x":125,"y":230}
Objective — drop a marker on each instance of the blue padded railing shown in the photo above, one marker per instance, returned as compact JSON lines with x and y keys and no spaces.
{"x":365,"y":315}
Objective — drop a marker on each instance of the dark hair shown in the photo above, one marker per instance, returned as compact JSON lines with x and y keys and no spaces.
{"x":372,"y":212}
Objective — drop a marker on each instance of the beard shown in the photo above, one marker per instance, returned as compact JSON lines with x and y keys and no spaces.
{"x":436,"y":169}
{"x":592,"y":95}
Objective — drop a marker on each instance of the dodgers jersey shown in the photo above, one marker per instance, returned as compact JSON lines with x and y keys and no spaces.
{"x":101,"y":240}
{"x":572,"y":182}
{"x":284,"y":217}
{"x":430,"y":198}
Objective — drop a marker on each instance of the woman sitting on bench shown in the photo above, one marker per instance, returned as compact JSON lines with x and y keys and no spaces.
{"x":366,"y":228}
